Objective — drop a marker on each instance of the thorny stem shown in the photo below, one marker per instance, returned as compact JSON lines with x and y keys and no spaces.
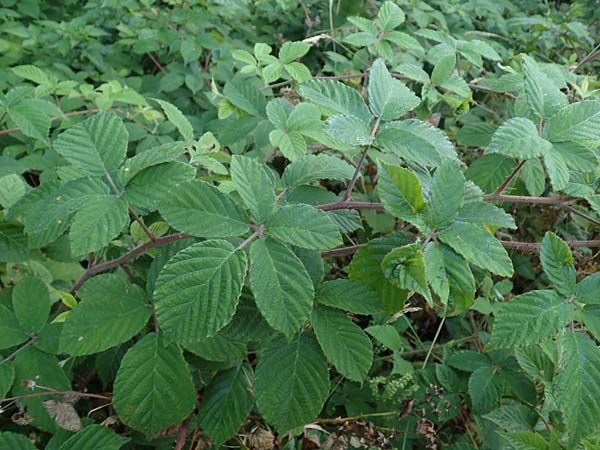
{"x":508,"y":180}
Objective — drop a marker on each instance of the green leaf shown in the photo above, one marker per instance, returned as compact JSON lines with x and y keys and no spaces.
{"x":557,"y":169}
{"x":401,"y":193}
{"x":588,"y":290}
{"x":7,"y":376}
{"x":529,"y":318}
{"x":485,"y":389}
{"x":14,"y":441}
{"x":311,"y":168}
{"x":13,"y":243}
{"x":292,"y":50}
{"x":543,"y":96}
{"x":366,"y":267}
{"x":524,"y":440}
{"x":532,"y":173}
{"x":349,"y":295}
{"x":557,"y":261}
{"x":344,"y":343}
{"x":153,"y":388}
{"x":577,"y":388}
{"x":177,"y":118}
{"x":443,"y":68}
{"x":518,"y":138}
{"x":389,"y":98}
{"x":220,"y":347}
{"x":576,"y":155}
{"x":292,"y":382}
{"x":578,"y":122}
{"x":282,"y":288}
{"x":333,"y":95}
{"x":97,"y":223}
{"x":461,"y":282}
{"x":303,"y":226}
{"x":94,"y":437}
{"x":202,"y":210}
{"x":298,"y":71}
{"x":478,"y":247}
{"x":405,"y":267}
{"x":387,"y":335}
{"x":151,"y":157}
{"x":30,"y":120}
{"x":198,"y":290}
{"x":447,"y":195}
{"x":513,"y":418}
{"x":291,"y":144}
{"x":246,"y":95}
{"x":489,"y":171}
{"x":31,"y":73}
{"x":389,"y":16}
{"x":11,"y":333}
{"x":31,"y":303}
{"x":226,"y":403}
{"x":485,"y":213}
{"x":416,"y":141}
{"x":95,"y":146}
{"x":254,"y":186}
{"x":111,"y":311}
{"x":361,"y":39}
{"x":12,"y":188}
{"x":348,"y":129}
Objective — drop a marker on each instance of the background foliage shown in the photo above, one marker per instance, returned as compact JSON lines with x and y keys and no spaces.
{"x":281,"y":224}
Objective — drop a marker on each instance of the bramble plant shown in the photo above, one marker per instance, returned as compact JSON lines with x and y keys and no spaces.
{"x":299,"y":225}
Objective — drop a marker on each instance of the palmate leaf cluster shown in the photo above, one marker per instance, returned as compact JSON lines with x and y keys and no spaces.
{"x":202,"y":240}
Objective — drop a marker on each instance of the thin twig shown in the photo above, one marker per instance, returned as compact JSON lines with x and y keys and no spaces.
{"x":341,"y":251}
{"x":183,"y":429}
{"x":357,"y":417}
{"x":141,"y":223}
{"x":570,"y":209}
{"x":435,"y":338}
{"x":258,"y":233}
{"x":349,"y":205}
{"x":363,"y":157}
{"x":156,"y":62}
{"x":19,"y":350}
{"x":508,"y":179}
{"x":132,"y":254}
{"x":51,"y":392}
{"x":534,"y":246}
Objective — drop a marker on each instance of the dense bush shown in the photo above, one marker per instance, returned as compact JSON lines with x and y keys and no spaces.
{"x":299,"y":225}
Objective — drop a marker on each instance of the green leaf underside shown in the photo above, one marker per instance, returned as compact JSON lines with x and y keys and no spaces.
{"x":198,"y":289}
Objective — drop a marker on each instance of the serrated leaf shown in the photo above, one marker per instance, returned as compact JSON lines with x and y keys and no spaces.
{"x":577,"y":156}
{"x":303,"y":226}
{"x":30,"y":120}
{"x":524,"y":440}
{"x":95,"y":146}
{"x":489,"y":171}
{"x":485,"y":389}
{"x":408,"y":185}
{"x":400,"y":192}
{"x":513,"y":418}
{"x":577,"y":389}
{"x":220,"y":348}
{"x":311,"y":168}
{"x":226,"y":403}
{"x":344,"y":343}
{"x":361,"y":39}
{"x":485,"y":213}
{"x":111,"y":312}
{"x":348,"y":129}
{"x":198,"y":290}
{"x":94,"y":437}
{"x":405,"y":267}
{"x":558,"y":171}
{"x":31,"y":303}
{"x":7,"y":376}
{"x":281,"y":286}
{"x":532,"y":173}
{"x":557,"y":261}
{"x":518,"y":138}
{"x":291,"y":382}
{"x":335,"y":96}
{"x":366,"y":267}
{"x":31,"y":73}
{"x":177,"y":118}
{"x":416,"y":141}
{"x":298,"y":71}
{"x":529,"y":318}
{"x":387,"y":335}
{"x":153,"y":388}
{"x":14,"y":441}
{"x":254,"y":186}
{"x":543,"y":96}
{"x":11,"y":333}
{"x":389,"y":98}
{"x":447,"y":195}
{"x":588,"y":290}
{"x":578,"y":122}
{"x":13,"y":243}
{"x":97,"y":223}
{"x":290,"y":51}
{"x":246,"y":95}
{"x":390,"y":16}
{"x":202,"y":210}
{"x":478,"y":247}
{"x":349,"y":295}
